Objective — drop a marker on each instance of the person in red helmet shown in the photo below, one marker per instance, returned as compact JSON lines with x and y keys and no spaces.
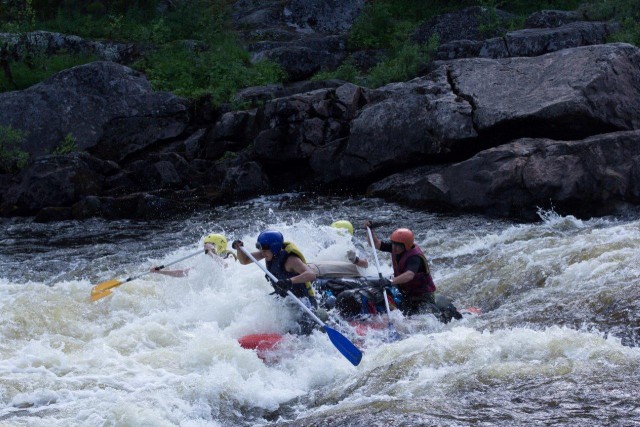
{"x":411,"y":273}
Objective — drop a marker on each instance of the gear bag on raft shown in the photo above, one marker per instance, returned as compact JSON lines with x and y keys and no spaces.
{"x":354,"y":297}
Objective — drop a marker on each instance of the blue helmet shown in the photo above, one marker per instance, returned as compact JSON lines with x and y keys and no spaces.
{"x":272,"y":240}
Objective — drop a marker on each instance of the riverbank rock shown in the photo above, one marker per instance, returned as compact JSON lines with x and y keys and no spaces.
{"x":466,"y":125}
{"x":36,"y":43}
{"x":107,"y":108}
{"x":529,"y":42}
{"x":586,"y":177}
{"x":56,"y":181}
{"x":467,"y":105}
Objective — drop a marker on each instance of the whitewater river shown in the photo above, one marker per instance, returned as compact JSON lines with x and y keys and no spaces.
{"x":557,"y":343}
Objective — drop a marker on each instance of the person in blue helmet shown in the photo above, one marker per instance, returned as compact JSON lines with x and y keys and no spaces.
{"x":285,"y":261}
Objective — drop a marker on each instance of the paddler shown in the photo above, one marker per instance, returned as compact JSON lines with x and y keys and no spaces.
{"x":411,"y":274}
{"x":215,"y":245}
{"x":287,"y":263}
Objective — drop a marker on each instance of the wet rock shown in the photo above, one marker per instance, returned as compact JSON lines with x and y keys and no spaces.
{"x":585,"y":177}
{"x":247,"y":179}
{"x":56,"y":181}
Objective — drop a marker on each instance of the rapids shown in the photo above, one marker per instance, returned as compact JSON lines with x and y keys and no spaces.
{"x":557,"y":343}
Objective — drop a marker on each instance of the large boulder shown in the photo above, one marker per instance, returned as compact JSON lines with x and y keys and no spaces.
{"x":106,"y":107}
{"x":412,"y":121}
{"x":49,"y":43}
{"x":467,"y":105}
{"x":324,"y":16}
{"x":303,"y":57}
{"x":529,"y":42}
{"x":473,"y":23}
{"x":568,"y":94}
{"x":56,"y":181}
{"x":587,"y":177}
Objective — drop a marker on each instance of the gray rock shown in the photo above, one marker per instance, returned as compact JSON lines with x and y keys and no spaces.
{"x":105,"y":106}
{"x":568,"y":94}
{"x":324,"y":16}
{"x":414,"y":120}
{"x":529,"y":42}
{"x":471,"y":23}
{"x":56,"y":181}
{"x":247,"y":179}
{"x":552,"y":18}
{"x":49,"y":43}
{"x":582,"y":177}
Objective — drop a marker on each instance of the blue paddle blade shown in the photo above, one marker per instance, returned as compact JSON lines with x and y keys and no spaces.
{"x":344,"y":346}
{"x":393,"y":335}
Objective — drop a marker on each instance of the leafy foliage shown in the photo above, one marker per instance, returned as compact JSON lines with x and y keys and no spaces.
{"x":12,"y":157}
{"x":347,"y":72}
{"x":404,"y":64}
{"x":68,"y":145}
{"x":626,"y":12}
{"x":220,"y":70}
{"x":34,"y":69}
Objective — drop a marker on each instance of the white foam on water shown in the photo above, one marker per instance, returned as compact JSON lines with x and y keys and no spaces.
{"x":163,"y":351}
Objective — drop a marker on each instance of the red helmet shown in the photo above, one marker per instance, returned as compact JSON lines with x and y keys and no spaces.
{"x":403,"y":236}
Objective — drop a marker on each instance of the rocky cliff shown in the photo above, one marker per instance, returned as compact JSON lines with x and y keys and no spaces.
{"x":544,"y":116}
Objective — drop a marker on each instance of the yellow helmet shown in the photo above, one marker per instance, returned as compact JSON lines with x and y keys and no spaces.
{"x":217,"y":240}
{"x":343,"y":224}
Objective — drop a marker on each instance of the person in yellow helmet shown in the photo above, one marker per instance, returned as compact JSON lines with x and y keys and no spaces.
{"x":343,"y":269}
{"x":357,"y":255}
{"x":215,"y":246}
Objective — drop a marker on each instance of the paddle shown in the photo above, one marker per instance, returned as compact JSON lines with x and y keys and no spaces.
{"x":344,"y":346}
{"x":393,"y":335}
{"x":103,"y":289}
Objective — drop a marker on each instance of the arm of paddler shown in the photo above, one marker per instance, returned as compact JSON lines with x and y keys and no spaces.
{"x":241,"y":257}
{"x":305,"y":273}
{"x":172,"y":273}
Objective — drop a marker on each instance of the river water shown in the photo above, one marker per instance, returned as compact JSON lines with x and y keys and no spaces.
{"x":557,"y":343}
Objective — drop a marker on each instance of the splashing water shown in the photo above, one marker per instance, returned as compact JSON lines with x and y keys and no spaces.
{"x":556,"y":345}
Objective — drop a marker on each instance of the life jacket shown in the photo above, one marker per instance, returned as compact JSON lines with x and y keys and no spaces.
{"x":421,"y":282}
{"x":276,"y":267}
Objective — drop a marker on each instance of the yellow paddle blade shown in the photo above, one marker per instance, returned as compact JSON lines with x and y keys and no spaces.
{"x":96,"y":296}
{"x":101,"y":287}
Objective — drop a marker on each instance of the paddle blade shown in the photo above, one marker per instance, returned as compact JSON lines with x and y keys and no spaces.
{"x":344,"y":346}
{"x":100,"y":288}
{"x":393,"y":334}
{"x":96,"y":296}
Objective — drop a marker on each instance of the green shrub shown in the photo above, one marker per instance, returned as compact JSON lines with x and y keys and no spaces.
{"x":220,"y":71}
{"x":526,"y":7}
{"x":404,"y":64}
{"x":373,"y":29}
{"x":346,"y":72}
{"x":34,"y":69}
{"x":626,"y":12}
{"x":12,"y":157}
{"x":68,"y":145}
